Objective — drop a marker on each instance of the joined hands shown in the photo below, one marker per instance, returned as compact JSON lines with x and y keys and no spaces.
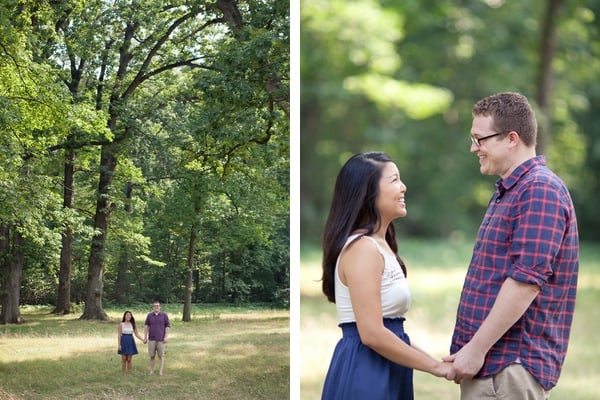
{"x":465,"y":364}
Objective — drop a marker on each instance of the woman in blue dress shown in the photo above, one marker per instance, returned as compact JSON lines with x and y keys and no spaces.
{"x":126,"y":342}
{"x":366,"y":279}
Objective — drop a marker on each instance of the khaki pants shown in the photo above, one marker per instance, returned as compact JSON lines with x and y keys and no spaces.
{"x":512,"y":383}
{"x":155,"y":347}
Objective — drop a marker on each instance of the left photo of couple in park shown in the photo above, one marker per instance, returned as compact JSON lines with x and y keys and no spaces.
{"x":144,"y":199}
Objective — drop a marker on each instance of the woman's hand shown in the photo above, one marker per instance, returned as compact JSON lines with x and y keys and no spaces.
{"x":443,"y":370}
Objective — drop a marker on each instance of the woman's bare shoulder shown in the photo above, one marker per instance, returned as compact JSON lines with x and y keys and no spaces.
{"x":361,"y":249}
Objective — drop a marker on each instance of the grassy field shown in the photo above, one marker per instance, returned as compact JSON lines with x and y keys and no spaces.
{"x":436,"y":271}
{"x":224,"y":353}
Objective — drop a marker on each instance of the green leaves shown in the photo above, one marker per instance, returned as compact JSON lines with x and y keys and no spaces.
{"x":402,"y":77}
{"x":418,"y":101}
{"x":194,"y":115}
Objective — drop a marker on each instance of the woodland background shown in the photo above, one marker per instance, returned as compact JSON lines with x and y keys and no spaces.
{"x":144,"y":153}
{"x":402,"y":77}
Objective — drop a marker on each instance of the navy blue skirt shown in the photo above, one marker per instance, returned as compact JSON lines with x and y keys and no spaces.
{"x":128,"y":346}
{"x":357,"y":373}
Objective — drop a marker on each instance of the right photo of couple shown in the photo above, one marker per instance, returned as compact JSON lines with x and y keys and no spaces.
{"x":516,"y":307}
{"x":449,"y":171}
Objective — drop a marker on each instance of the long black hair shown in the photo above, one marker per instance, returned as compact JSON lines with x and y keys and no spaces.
{"x":353,"y":208}
{"x":132,"y":320}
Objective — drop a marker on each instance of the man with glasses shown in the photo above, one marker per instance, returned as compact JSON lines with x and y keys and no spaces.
{"x":156,"y":332}
{"x":516,"y":308}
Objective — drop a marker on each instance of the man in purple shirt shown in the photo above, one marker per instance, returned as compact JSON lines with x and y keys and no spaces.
{"x":156,"y":332}
{"x":516,"y":308}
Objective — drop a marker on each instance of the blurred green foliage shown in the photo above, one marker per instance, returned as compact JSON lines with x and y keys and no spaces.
{"x":402,"y":77}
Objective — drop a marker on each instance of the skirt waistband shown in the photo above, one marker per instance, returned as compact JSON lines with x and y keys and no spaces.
{"x":396,"y":325}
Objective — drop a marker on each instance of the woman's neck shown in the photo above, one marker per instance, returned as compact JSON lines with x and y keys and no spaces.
{"x":380,"y":233}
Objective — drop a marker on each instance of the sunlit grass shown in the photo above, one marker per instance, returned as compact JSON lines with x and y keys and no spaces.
{"x":228,"y":353}
{"x":436,"y":271}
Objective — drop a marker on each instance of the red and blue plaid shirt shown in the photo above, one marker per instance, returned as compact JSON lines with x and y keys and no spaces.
{"x":529,"y":233}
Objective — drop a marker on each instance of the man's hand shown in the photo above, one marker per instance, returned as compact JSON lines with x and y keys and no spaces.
{"x":466,"y":363}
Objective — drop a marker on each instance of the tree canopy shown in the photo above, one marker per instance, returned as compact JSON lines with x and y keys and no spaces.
{"x":144,"y":153}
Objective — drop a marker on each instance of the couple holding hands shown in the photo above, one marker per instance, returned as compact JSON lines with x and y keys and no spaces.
{"x":156,"y":330}
{"x":516,"y":307}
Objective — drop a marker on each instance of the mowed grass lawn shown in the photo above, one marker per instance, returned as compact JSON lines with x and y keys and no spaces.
{"x":436,"y":271}
{"x":224,"y":353}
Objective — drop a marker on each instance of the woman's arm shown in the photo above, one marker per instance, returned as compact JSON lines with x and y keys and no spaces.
{"x":361,"y":267}
{"x":137,"y":335}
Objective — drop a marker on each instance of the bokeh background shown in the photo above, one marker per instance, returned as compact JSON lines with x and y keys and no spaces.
{"x":402,"y":77}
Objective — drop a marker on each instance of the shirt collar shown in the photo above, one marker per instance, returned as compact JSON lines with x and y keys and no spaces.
{"x":502,"y":185}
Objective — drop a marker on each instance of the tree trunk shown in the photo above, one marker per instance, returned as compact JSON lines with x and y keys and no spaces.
{"x":11,"y":283}
{"x":223,"y":271}
{"x":544,"y":93}
{"x":63,"y":302}
{"x":95,"y":286}
{"x":196,"y":296}
{"x":187,"y":305}
{"x":121,"y":283}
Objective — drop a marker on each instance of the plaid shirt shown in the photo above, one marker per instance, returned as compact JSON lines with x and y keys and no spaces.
{"x":529,"y":233}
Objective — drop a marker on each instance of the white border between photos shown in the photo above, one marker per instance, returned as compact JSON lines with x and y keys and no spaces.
{"x":294,"y":200}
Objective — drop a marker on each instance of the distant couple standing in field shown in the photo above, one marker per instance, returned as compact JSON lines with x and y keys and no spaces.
{"x":516,"y":308}
{"x":156,"y":331}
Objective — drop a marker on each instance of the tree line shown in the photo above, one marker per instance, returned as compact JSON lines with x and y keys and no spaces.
{"x":144,"y":153}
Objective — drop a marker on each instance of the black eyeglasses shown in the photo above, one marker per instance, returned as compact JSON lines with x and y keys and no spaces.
{"x":477,"y":141}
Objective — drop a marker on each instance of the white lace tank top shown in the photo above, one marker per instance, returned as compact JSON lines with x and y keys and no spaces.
{"x":395,"y":293}
{"x":126,"y":328}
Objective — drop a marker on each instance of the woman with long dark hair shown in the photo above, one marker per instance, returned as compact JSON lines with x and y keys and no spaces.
{"x":366,"y":279}
{"x":126,"y":342}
